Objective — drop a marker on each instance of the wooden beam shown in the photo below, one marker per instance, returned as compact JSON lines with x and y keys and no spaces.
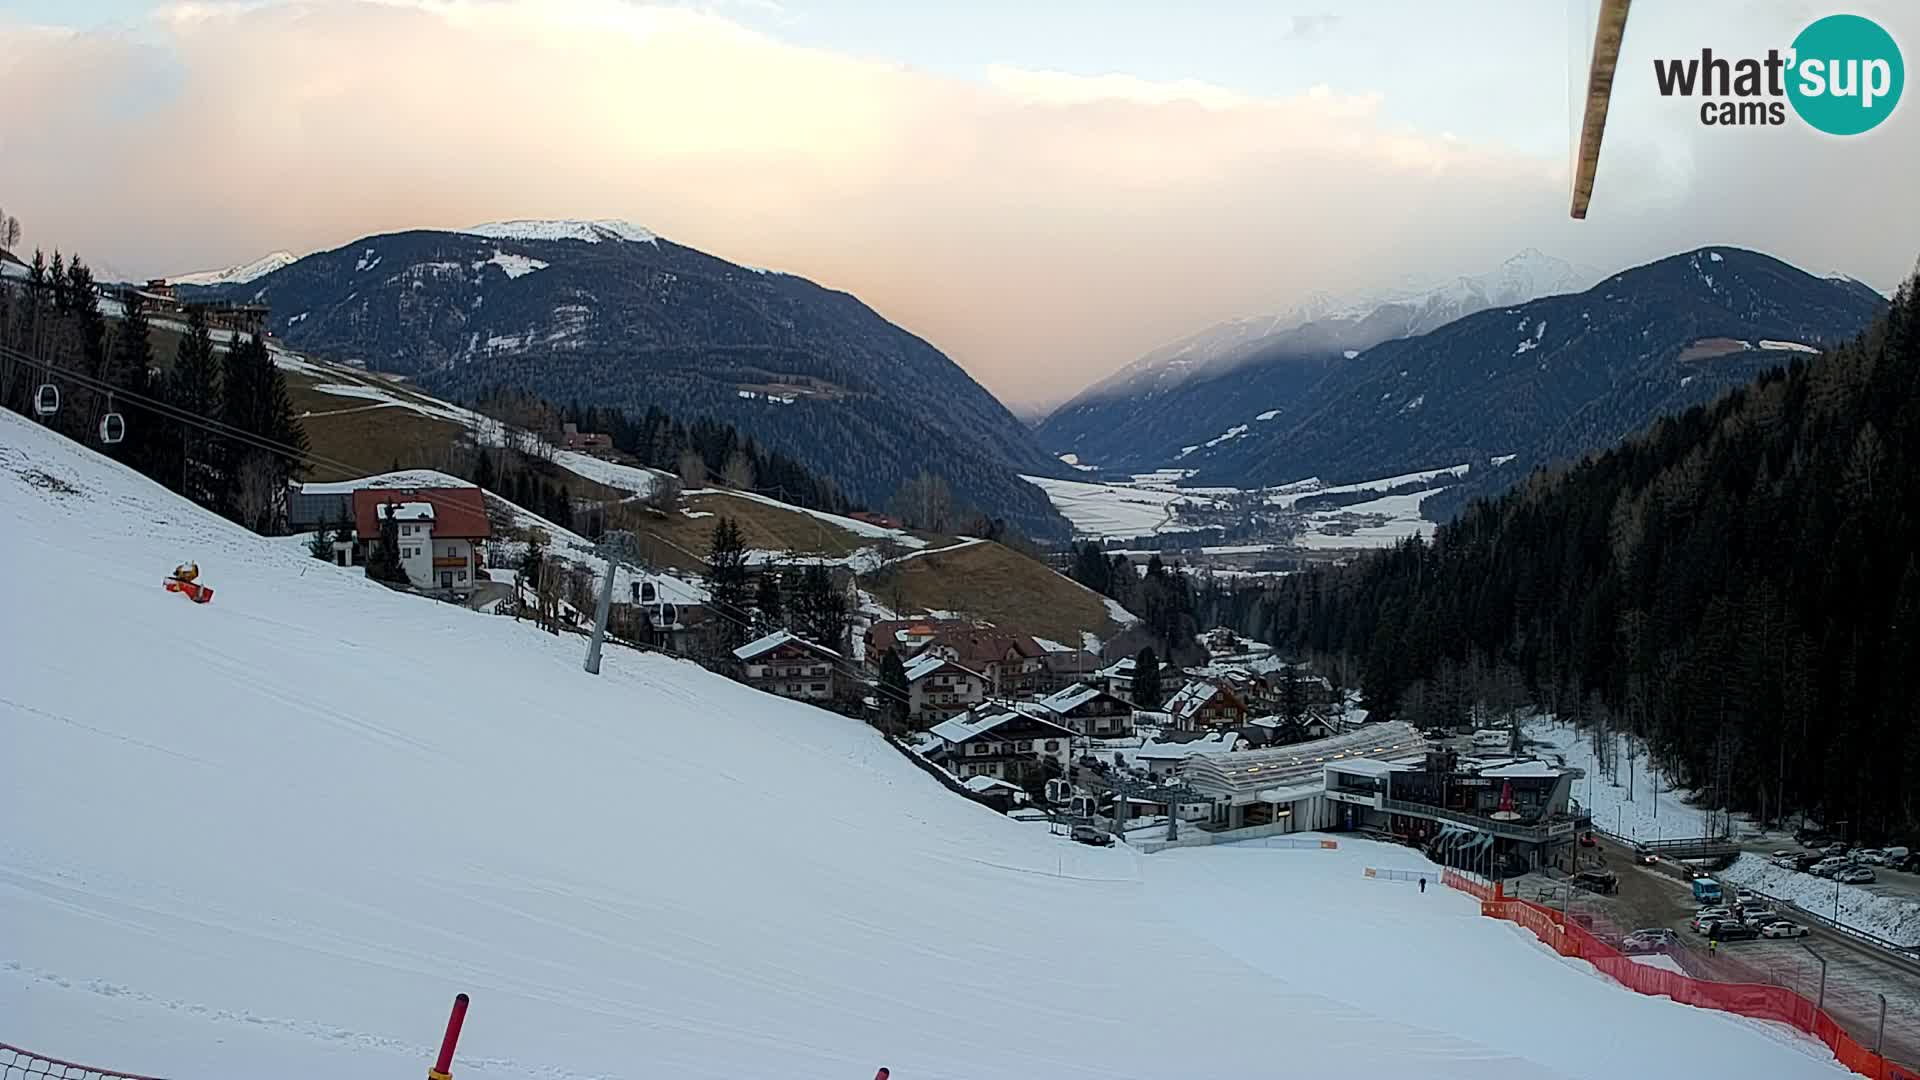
{"x":1612,"y":27}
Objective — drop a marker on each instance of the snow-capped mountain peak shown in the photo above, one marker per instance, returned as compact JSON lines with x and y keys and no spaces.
{"x":239,"y":274}
{"x":591,"y":232}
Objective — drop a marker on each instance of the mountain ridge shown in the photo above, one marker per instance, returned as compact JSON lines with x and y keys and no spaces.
{"x":609,"y":313}
{"x":1147,"y":414}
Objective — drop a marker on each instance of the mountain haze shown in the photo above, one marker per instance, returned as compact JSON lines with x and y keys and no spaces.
{"x":1148,"y":414}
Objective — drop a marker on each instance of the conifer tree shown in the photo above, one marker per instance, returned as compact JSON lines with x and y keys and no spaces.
{"x":1146,"y":679}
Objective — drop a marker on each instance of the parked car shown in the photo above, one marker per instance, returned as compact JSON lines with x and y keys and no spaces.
{"x":1704,"y":924}
{"x":1812,"y":837}
{"x":1757,"y":917}
{"x":1597,"y":881}
{"x":1087,"y":834}
{"x":1781,"y":928}
{"x":1853,"y":875}
{"x":1587,"y":840}
{"x":1806,"y":860}
{"x":1828,"y":867}
{"x":1745,"y":897}
{"x":1644,"y":855}
{"x":1897,"y":855}
{"x":1732,"y":931}
{"x":1873,"y":856}
{"x":1651,"y":939}
{"x":1785,"y":862}
{"x":1836,"y":848}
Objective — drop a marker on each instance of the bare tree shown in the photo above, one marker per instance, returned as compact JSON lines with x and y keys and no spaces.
{"x":693,"y":469}
{"x":257,"y":491}
{"x":664,"y":495}
{"x":9,"y":231}
{"x":739,"y":472}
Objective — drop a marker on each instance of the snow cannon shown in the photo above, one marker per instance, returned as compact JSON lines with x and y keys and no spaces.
{"x":185,"y":581}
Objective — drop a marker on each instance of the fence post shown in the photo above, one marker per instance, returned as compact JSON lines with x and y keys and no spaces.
{"x":1880,"y":1040}
{"x":1822,"y":1004}
{"x":443,"y":1066}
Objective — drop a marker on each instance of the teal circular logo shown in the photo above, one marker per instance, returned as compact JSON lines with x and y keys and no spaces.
{"x":1846,"y":74}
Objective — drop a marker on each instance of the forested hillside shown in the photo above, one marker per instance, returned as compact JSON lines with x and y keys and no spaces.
{"x":1739,"y":584}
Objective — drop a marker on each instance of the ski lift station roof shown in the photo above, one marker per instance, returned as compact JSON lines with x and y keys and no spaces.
{"x":1286,"y":773}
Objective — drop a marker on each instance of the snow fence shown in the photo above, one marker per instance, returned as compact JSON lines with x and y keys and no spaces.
{"x":1760,"y":1001}
{"x":18,"y":1064}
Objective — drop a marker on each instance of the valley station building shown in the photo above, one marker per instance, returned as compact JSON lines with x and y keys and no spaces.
{"x":1387,"y":778}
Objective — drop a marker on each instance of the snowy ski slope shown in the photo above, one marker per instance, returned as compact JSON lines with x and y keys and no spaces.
{"x":273,"y":835}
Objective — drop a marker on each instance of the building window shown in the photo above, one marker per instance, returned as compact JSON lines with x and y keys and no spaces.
{"x":819,"y":686}
{"x":1026,"y":744}
{"x":979,"y":748}
{"x":1053,"y":745}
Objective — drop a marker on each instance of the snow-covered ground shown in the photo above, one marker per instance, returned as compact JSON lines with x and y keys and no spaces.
{"x":1658,"y":960}
{"x":273,"y":835}
{"x":1118,"y":511}
{"x":1638,"y":818}
{"x":1148,"y":504}
{"x":1399,"y":518}
{"x":1893,"y":918}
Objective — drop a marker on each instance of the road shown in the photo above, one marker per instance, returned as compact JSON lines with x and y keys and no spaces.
{"x":1857,"y":973}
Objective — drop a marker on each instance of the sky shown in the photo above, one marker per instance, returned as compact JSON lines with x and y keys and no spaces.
{"x":1043,"y":190}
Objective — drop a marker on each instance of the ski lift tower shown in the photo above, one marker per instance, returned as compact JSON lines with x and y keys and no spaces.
{"x":618,"y":547}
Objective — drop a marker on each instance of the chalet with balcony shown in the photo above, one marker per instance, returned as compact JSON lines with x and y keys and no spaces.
{"x":1090,"y":710}
{"x":790,"y":666}
{"x":1206,"y":703}
{"x":938,"y":688}
{"x":1004,"y":743}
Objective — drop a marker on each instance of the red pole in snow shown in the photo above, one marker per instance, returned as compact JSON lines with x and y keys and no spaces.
{"x":443,"y":1067}
{"x":882,"y":1074}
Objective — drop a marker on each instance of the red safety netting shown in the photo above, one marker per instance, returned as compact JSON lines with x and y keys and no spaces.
{"x":1776,"y":1003}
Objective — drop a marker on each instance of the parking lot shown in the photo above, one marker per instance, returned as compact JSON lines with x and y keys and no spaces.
{"x":1856,"y":973}
{"x":1887,"y":882}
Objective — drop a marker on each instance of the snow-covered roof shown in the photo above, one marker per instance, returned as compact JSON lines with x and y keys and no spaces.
{"x":406,"y":511}
{"x":1539,"y":770}
{"x":1302,"y":766}
{"x":776,"y":639}
{"x":1119,"y":669}
{"x":1368,"y":766}
{"x":1219,"y":742}
{"x":927,"y":663}
{"x":1071,"y":698}
{"x":972,"y":725}
{"x":1192,"y":698}
{"x":983,"y":784}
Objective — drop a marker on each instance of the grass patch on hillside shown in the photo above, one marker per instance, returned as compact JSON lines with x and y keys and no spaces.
{"x":991,"y":582}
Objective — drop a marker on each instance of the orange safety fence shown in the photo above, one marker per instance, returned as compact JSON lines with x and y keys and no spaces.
{"x":1776,"y":1003}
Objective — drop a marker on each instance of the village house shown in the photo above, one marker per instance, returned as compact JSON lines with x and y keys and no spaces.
{"x":1064,"y":667}
{"x":1203,"y":703}
{"x":1004,"y":743}
{"x":1118,"y":678}
{"x":440,"y":533}
{"x":1014,"y":665}
{"x":791,"y":666}
{"x":938,"y":688}
{"x":596,"y":443}
{"x":1091,"y":711}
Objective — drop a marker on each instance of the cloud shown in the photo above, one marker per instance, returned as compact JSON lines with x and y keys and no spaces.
{"x":1309,"y":27}
{"x":1041,"y":227}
